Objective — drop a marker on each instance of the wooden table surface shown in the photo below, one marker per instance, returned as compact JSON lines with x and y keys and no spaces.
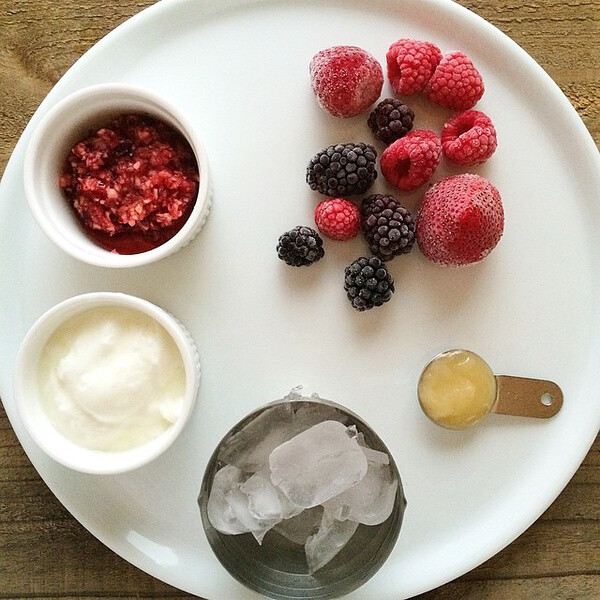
{"x":45,"y":553}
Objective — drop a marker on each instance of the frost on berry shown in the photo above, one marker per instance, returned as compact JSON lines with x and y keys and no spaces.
{"x":410,"y":64}
{"x":342,"y":169}
{"x":388,"y":227}
{"x":410,"y":162}
{"x":390,"y":120}
{"x":455,"y":83}
{"x":368,"y":283}
{"x":300,"y":247}
{"x":338,"y":219}
{"x":469,"y":138}
{"x":460,"y":221}
{"x":346,"y":80}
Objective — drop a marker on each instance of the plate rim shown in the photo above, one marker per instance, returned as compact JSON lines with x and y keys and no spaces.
{"x":582,"y":135}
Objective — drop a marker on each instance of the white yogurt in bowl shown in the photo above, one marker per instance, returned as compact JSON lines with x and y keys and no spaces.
{"x":111,"y":378}
{"x":104,"y":382}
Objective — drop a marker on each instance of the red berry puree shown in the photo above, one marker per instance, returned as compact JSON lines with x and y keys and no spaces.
{"x":132,"y":183}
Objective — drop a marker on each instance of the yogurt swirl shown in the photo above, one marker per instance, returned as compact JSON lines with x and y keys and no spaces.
{"x":111,"y":379}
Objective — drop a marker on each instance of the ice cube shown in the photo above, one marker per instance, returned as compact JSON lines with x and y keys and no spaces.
{"x":317,"y":464}
{"x":260,"y":533}
{"x":220,"y":512}
{"x":308,"y":414}
{"x":371,"y":454}
{"x":374,"y":456}
{"x":228,"y":506}
{"x":239,"y":502}
{"x":370,"y":501}
{"x":331,"y":537}
{"x":250,"y":447}
{"x":298,"y":528}
{"x":265,"y":501}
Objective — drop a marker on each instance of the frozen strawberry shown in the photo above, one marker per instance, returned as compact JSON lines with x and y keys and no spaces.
{"x":460,"y":221}
{"x":410,"y":162}
{"x":346,"y":80}
{"x":410,"y":64}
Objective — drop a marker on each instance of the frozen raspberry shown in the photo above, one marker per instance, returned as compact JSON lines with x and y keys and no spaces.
{"x":410,"y":64}
{"x":460,"y":220}
{"x":346,"y":80}
{"x":135,"y":175}
{"x":469,"y":138}
{"x":338,"y":219}
{"x":455,"y":83}
{"x":409,"y":162}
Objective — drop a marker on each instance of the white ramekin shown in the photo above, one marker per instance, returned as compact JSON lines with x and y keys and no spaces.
{"x":35,"y":418}
{"x":71,"y":120}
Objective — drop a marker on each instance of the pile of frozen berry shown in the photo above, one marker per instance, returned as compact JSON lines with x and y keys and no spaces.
{"x":460,"y":218}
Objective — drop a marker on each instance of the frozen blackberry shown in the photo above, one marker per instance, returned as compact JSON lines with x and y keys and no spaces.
{"x":300,"y":247}
{"x":387,"y":226}
{"x":390,"y":120}
{"x":342,"y":169}
{"x":368,"y":283}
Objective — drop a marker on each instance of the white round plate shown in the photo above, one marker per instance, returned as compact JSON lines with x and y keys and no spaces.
{"x":240,"y":70}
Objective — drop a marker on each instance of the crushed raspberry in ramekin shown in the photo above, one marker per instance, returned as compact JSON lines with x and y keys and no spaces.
{"x":132,"y":183}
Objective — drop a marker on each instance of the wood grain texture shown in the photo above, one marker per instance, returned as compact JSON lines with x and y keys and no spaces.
{"x":45,"y":554}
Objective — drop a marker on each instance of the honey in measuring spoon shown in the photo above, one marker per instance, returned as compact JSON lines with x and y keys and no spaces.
{"x":458,"y":388}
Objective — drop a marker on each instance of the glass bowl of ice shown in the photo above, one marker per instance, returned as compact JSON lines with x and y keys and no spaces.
{"x":302,"y":499}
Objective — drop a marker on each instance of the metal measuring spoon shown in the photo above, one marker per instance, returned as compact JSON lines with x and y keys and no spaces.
{"x":457,"y":389}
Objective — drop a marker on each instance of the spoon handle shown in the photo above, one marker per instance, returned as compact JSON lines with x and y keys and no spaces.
{"x":524,"y":397}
